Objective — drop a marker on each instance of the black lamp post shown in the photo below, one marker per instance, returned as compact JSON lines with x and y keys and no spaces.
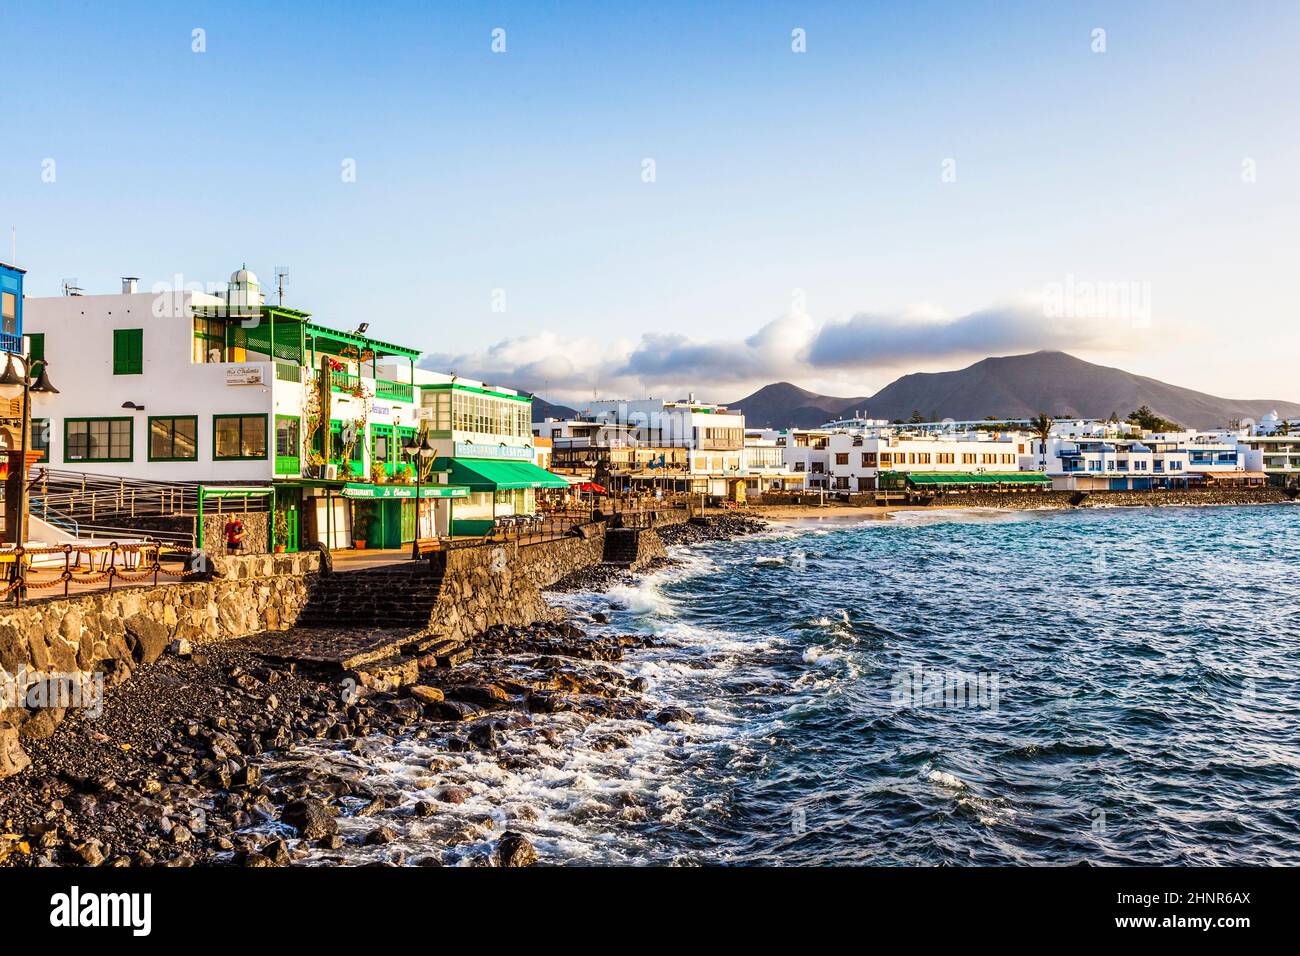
{"x":415,"y":451}
{"x":11,"y":379}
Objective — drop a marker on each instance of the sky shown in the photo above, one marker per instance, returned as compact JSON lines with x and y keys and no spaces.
{"x":620,"y":200}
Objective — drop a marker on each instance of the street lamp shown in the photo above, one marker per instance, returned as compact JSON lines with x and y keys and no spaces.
{"x":18,"y":471}
{"x":415,"y":451}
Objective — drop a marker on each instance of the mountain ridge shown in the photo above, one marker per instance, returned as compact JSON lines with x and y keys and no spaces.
{"x":1013,"y":386}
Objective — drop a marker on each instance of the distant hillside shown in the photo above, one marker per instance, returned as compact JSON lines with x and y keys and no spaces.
{"x":1016,"y":386}
{"x":783,"y":405}
{"x":542,"y":409}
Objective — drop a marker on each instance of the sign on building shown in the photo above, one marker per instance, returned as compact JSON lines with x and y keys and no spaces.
{"x":244,"y":375}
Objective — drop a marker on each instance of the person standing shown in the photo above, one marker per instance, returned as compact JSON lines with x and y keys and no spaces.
{"x":234,"y":535}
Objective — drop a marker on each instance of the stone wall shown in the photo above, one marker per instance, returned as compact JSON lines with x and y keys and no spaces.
{"x":486,"y":586}
{"x":257,"y":530}
{"x":112,"y":632}
{"x":1110,"y":499}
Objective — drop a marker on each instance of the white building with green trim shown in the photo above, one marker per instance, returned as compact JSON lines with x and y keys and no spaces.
{"x":220,"y":388}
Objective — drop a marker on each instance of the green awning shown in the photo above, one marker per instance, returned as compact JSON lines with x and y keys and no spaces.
{"x":934,"y":479}
{"x":493,"y":474}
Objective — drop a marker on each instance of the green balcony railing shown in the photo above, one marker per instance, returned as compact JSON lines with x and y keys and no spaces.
{"x":288,"y":373}
{"x":343,"y":382}
{"x":397,"y":391}
{"x":288,"y":465}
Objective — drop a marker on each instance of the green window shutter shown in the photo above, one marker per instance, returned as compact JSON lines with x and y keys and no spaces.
{"x":36,"y":346}
{"x":128,"y":351}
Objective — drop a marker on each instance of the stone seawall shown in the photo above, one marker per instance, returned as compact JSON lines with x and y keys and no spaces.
{"x":112,"y":632}
{"x":1111,"y":499}
{"x":484,"y":587}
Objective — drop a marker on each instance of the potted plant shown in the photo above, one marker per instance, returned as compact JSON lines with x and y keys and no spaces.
{"x":405,"y":474}
{"x":360,"y":525}
{"x":377,"y":474}
{"x":315,"y":462}
{"x":281,"y":529}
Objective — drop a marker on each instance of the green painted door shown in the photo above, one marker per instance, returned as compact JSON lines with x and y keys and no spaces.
{"x":408,"y":522}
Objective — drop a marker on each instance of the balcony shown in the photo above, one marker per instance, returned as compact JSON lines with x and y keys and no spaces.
{"x":397,"y":391}
{"x":288,"y":465}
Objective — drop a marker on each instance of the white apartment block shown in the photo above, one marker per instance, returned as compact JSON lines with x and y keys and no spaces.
{"x":856,"y":461}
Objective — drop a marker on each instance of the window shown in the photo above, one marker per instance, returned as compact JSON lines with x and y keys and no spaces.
{"x":287,"y":440}
{"x":869,"y":459}
{"x":841,"y":458}
{"x":41,"y":437}
{"x":236,"y":437}
{"x":173,"y":438}
{"x":128,"y":351}
{"x":36,"y":351}
{"x":9,"y":312}
{"x":209,"y":340}
{"x":97,"y":439}
{"x":887,"y":458}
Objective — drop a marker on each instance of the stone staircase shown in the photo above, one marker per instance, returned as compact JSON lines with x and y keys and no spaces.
{"x":396,"y":595}
{"x":622,"y":546}
{"x":632,"y":547}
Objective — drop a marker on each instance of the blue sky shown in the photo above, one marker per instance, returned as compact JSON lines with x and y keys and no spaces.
{"x":798,"y":225}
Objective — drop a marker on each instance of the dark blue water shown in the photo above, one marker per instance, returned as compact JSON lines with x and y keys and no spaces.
{"x":1130,"y":695}
{"x":1141,"y":691}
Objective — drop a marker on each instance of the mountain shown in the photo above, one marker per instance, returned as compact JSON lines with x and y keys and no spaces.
{"x":1016,"y":386}
{"x":783,"y":405}
{"x":542,"y":409}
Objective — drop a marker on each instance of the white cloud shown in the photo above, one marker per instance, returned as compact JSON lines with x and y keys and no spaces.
{"x":852,"y":356}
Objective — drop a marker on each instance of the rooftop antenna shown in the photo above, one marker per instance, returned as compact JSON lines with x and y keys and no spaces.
{"x":281,"y":279}
{"x":71,"y":287}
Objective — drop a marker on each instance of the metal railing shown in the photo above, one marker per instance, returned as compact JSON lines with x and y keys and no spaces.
{"x":90,"y":498}
{"x":61,"y":566}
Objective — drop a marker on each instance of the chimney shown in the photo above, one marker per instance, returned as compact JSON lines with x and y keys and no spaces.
{"x":129,"y":284}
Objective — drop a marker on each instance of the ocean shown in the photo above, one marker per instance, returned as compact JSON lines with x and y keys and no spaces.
{"x":1104,"y":686}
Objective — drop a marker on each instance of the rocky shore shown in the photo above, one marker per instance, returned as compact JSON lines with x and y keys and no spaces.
{"x":230,"y":753}
{"x":175,"y":771}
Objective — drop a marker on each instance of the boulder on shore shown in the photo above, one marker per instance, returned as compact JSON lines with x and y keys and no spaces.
{"x":13,"y":759}
{"x":310,"y":817}
{"x":515,"y":849}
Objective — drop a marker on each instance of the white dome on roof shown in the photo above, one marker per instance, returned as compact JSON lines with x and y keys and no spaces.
{"x":243,"y":277}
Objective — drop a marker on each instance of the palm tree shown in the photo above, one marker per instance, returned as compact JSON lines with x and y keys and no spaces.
{"x":1041,"y":426}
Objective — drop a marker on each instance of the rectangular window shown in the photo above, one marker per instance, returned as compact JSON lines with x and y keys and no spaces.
{"x":97,"y":439}
{"x":238,"y":437}
{"x":9,"y":312}
{"x":173,"y":438}
{"x":287,"y":440}
{"x":36,"y":348}
{"x":841,"y":458}
{"x":128,"y":351}
{"x":41,"y":437}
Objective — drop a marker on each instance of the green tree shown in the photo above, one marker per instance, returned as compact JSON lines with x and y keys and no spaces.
{"x":1148,"y":420}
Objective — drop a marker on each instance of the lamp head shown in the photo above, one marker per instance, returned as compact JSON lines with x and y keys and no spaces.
{"x":10,"y":375}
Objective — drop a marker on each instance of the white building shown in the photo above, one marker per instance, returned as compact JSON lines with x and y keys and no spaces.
{"x":687,"y":445}
{"x":1131,"y":463}
{"x":856,"y":462}
{"x":219,"y":388}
